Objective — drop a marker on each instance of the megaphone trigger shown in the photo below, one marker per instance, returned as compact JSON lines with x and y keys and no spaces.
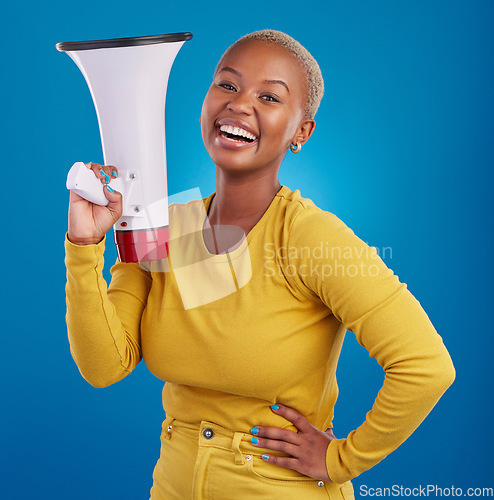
{"x":82,"y":181}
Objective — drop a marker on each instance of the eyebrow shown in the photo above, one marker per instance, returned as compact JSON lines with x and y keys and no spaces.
{"x":235,"y":72}
{"x":280,"y":82}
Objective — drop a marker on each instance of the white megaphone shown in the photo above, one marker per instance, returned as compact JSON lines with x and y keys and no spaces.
{"x":128,"y":78}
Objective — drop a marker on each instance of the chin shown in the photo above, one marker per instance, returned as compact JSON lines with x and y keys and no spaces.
{"x":231,"y":160}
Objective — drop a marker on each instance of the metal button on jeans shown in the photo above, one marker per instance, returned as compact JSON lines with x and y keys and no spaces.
{"x":208,"y":433}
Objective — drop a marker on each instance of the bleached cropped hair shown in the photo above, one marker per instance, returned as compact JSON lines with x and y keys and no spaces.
{"x":313,"y":75}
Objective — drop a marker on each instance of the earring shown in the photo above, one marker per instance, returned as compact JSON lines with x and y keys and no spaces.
{"x":296,"y":149}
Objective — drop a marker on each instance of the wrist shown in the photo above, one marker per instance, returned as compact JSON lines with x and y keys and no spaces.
{"x":84,"y":241}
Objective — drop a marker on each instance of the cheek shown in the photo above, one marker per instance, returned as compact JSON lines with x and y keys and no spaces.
{"x":283,"y":126}
{"x":209,"y":101}
{"x":206,"y":113}
{"x":205,"y":106}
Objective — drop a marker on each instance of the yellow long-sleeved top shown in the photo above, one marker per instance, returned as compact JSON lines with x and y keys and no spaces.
{"x":234,"y":333}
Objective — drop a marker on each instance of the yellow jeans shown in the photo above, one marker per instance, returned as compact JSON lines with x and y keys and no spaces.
{"x":209,"y":462}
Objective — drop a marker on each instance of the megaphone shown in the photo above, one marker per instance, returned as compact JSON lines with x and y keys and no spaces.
{"x":128,"y":78}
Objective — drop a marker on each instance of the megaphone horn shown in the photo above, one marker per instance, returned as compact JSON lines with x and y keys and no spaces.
{"x":128,"y":78}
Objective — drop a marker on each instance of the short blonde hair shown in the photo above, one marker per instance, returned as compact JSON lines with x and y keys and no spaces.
{"x":313,"y":75}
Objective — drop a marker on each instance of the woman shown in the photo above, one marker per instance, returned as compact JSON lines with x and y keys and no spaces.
{"x":246,"y":318}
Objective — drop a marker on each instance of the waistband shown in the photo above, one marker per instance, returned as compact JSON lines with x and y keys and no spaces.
{"x":209,"y":434}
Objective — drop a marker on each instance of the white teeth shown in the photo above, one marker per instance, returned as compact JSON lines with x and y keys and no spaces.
{"x":229,"y":129}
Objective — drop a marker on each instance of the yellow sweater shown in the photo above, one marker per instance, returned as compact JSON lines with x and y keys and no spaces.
{"x":232,"y":334}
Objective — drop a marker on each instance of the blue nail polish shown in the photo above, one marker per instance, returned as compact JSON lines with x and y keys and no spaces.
{"x":275,"y":407}
{"x":114,"y":173}
{"x":265,"y":457}
{"x":107,"y":178}
{"x":110,"y":189}
{"x":102,"y":172}
{"x":254,"y":430}
{"x":254,"y":440}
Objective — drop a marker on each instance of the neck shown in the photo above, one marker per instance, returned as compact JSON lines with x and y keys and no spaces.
{"x":242,"y":201}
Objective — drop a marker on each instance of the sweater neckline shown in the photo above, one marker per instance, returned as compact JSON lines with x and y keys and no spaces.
{"x":242,"y":246}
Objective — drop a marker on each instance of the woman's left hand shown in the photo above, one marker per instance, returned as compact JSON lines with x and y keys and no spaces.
{"x":307,"y":447}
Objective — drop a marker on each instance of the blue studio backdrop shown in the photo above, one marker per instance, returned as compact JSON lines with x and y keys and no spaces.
{"x":402,"y":153}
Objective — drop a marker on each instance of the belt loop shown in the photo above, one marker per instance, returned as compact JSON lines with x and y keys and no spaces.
{"x":237,"y":437}
{"x":167,"y":427}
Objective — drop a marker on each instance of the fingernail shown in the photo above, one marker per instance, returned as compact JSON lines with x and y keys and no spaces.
{"x":275,"y":407}
{"x":114,"y":173}
{"x":102,"y":172}
{"x":254,"y":440}
{"x":265,"y":457}
{"x":254,"y":430}
{"x":107,"y":178}
{"x":110,"y":189}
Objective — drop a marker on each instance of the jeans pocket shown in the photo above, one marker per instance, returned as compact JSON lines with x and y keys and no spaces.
{"x":305,"y":487}
{"x":287,"y":483}
{"x":265,"y":470}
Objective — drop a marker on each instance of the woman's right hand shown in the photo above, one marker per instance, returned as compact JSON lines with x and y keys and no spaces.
{"x":88,"y":222}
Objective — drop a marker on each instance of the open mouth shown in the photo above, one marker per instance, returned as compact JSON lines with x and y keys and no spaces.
{"x":236,"y":134}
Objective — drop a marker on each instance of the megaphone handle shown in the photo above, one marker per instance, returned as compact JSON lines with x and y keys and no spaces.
{"x":82,"y":181}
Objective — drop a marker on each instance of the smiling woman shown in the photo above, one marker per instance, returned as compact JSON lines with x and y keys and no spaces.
{"x":259,"y":93}
{"x":249,"y":351}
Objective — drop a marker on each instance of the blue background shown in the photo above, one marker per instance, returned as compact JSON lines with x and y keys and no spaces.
{"x":402,"y":152}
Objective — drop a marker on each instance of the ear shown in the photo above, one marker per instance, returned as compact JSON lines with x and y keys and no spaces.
{"x":304,"y":131}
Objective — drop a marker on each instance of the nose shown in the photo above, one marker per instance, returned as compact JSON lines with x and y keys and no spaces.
{"x":241,"y":103}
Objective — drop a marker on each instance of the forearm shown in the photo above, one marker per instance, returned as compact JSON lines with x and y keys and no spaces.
{"x":418,"y":371}
{"x":100,"y":345}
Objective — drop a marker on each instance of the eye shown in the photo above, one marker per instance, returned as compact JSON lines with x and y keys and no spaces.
{"x":269,"y":98}
{"x":227,"y":86}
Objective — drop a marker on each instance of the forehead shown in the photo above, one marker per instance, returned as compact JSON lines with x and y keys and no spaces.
{"x":265,"y":60}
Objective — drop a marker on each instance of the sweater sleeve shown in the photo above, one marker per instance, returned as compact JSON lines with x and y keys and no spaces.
{"x":387,"y":320}
{"x":103,"y":322}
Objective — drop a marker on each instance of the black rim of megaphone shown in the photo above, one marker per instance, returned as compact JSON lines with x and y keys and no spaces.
{"x":124,"y":42}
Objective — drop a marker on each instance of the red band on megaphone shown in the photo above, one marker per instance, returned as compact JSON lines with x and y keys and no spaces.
{"x":142,"y":246}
